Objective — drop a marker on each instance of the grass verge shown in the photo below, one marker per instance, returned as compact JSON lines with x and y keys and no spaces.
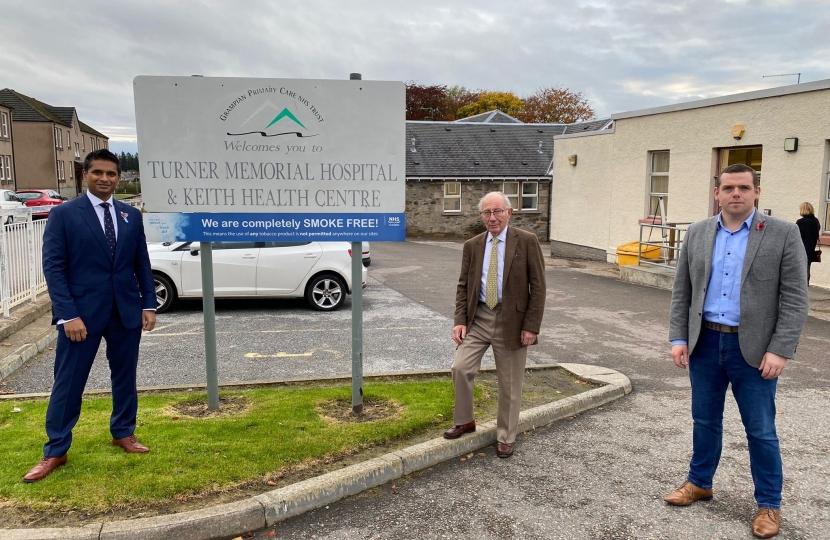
{"x":263,"y":437}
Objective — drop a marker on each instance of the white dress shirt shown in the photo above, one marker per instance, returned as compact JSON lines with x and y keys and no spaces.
{"x":99,"y":211}
{"x":500,"y":247}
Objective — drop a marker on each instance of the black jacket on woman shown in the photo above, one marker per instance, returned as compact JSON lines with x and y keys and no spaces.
{"x":810,"y":228}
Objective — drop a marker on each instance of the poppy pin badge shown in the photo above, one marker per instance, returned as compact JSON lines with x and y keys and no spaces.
{"x":760,"y":226}
{"x":124,"y":217}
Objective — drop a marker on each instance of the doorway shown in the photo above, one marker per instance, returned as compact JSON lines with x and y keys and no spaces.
{"x":745,"y":155}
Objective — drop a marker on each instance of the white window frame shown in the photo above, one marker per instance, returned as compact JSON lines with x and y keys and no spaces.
{"x":2,"y":171}
{"x":68,"y":139}
{"x":517,"y":199}
{"x":826,"y":225}
{"x":9,"y":177}
{"x":652,"y":211}
{"x":4,"y":125}
{"x":534,"y":196}
{"x":452,"y":197}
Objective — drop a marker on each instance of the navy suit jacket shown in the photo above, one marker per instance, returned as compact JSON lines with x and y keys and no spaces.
{"x":83,"y":278}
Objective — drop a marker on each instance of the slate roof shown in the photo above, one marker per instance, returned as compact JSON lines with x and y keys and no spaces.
{"x":86,"y":129}
{"x":484,"y":150}
{"x":491,"y":117}
{"x":28,"y":109}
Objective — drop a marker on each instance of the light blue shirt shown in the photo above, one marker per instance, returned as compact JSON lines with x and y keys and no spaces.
{"x":486,"y":264}
{"x":722,"y":303}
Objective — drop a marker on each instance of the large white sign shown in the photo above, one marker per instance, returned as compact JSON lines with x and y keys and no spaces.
{"x":285,"y":149}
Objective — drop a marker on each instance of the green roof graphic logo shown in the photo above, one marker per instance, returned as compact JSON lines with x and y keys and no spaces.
{"x":285,"y":114}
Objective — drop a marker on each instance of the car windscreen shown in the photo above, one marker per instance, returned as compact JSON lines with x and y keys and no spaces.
{"x":30,"y":195}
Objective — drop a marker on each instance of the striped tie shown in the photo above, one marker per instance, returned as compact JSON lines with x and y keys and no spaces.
{"x":491,"y":296}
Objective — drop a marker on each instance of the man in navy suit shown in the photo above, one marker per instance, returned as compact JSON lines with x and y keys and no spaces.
{"x":98,"y":272}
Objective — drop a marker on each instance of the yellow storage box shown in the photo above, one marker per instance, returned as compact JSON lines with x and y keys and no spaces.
{"x":627,"y":253}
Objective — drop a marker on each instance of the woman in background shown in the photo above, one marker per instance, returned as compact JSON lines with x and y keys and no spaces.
{"x":810,"y":228}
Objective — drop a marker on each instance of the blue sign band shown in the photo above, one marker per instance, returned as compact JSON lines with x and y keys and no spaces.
{"x":207,"y":227}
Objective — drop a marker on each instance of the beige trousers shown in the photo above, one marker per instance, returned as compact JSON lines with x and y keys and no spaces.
{"x":486,"y":331}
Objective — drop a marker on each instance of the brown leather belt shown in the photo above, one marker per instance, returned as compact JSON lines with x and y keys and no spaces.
{"x":722,"y":328}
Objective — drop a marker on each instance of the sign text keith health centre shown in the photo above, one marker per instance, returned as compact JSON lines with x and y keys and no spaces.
{"x":271,"y":159}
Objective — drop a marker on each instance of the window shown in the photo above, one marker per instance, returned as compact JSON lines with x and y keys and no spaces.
{"x":529,"y":195}
{"x":2,"y":172}
{"x":826,"y":227}
{"x":61,"y":171}
{"x":58,"y":140}
{"x":9,"y":178}
{"x":4,"y":125}
{"x":452,"y":197}
{"x":68,"y":143}
{"x":658,"y":185}
{"x":77,"y":151}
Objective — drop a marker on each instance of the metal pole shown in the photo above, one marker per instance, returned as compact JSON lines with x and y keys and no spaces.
{"x":357,"y":316}
{"x":209,"y":311}
{"x":5,"y":287}
{"x":357,"y":327}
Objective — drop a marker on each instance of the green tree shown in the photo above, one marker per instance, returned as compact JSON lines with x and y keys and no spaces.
{"x":458,"y":97}
{"x":555,"y":105}
{"x":506,"y":102}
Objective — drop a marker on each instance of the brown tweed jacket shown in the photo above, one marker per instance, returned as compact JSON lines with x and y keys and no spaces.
{"x":523,"y":289}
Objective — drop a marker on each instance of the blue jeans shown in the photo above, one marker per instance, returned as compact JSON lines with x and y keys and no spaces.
{"x":714,"y":364}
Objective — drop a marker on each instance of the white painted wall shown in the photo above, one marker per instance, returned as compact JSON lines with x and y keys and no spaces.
{"x":599,"y":202}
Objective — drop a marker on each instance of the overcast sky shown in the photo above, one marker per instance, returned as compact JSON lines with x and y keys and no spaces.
{"x":622,"y":54}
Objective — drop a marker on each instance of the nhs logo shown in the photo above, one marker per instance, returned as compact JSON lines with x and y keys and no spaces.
{"x":393,"y":221}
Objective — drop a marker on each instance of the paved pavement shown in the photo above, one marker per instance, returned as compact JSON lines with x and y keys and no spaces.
{"x":601,"y":475}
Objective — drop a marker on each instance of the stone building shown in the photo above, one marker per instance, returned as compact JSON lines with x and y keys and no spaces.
{"x":451,"y":165}
{"x":50,"y":144}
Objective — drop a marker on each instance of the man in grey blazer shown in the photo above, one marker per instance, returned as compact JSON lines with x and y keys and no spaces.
{"x":739,"y":305}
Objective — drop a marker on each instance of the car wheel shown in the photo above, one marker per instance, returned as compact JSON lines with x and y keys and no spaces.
{"x":367,"y":262}
{"x":326,"y":293}
{"x":165,"y":293}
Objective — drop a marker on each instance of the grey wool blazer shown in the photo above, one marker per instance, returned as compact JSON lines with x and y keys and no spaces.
{"x":774,"y":301}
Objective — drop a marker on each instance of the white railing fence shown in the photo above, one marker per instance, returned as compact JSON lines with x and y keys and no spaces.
{"x":21,"y":259}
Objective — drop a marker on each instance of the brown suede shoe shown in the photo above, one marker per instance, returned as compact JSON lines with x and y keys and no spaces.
{"x":767,"y":523}
{"x":504,"y":450}
{"x":457,"y":431}
{"x":130,"y":445}
{"x":687,"y":494}
{"x":44,"y":468}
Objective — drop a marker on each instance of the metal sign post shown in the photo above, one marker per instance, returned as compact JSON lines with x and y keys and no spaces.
{"x":209,"y":311}
{"x":357,"y":327}
{"x":357,"y":315}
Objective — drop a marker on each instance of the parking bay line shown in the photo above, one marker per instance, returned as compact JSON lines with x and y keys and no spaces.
{"x":174,"y":334}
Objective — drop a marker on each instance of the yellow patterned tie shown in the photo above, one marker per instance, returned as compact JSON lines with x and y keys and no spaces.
{"x":491,"y":295}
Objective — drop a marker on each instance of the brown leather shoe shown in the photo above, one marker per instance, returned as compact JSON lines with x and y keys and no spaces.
{"x":687,"y":494}
{"x":504,"y":450}
{"x":767,"y":523}
{"x":44,"y":468}
{"x":130,"y":445}
{"x":457,"y":431}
